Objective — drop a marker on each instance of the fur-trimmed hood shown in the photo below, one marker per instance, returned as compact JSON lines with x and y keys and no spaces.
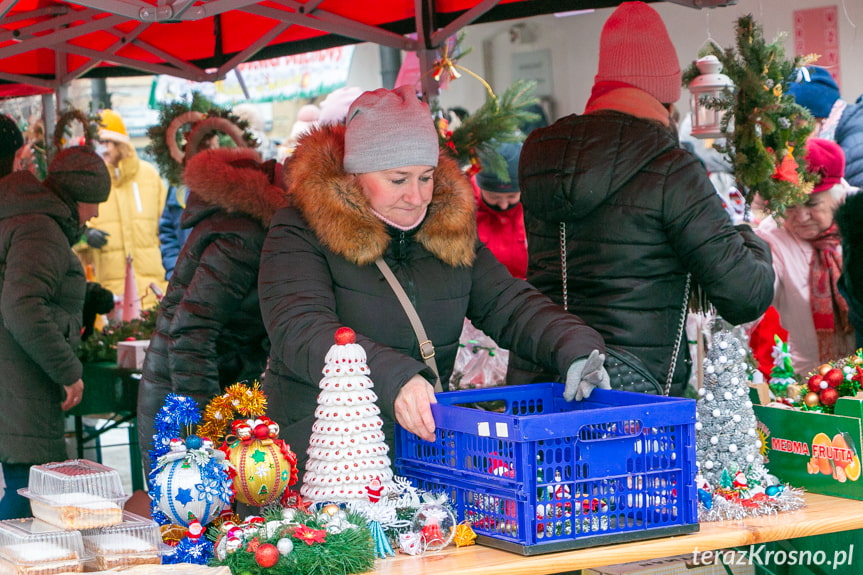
{"x":228,"y":179}
{"x":333,"y":204}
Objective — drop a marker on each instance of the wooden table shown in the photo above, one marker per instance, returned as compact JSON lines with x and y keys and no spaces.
{"x":821,"y":515}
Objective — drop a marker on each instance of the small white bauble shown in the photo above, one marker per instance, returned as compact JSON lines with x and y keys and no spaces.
{"x":723,"y":344}
{"x":708,"y":464}
{"x":736,"y":418}
{"x":750,"y":458}
{"x":735,"y":380}
{"x":714,"y":440}
{"x":698,"y":426}
{"x":727,"y":395}
{"x":709,"y":396}
{"x":285,"y":546}
{"x":716,"y":413}
{"x":732,"y":448}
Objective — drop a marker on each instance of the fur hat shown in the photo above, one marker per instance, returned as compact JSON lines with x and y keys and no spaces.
{"x":635,"y":49}
{"x":389,"y":129}
{"x":81,"y":174}
{"x":826,"y":159}
{"x":112,"y":127}
{"x":490,"y":182}
{"x":334,"y":108}
{"x":816,"y":90}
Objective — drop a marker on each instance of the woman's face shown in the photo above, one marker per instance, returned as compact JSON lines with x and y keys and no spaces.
{"x":809,"y":220}
{"x":87,"y":211}
{"x":401,"y":194}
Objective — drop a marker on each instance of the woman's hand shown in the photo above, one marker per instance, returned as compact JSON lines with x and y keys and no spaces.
{"x":74,"y":395}
{"x":413,"y":407}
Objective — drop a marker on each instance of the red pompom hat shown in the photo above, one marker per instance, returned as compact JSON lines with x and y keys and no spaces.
{"x":635,"y":48}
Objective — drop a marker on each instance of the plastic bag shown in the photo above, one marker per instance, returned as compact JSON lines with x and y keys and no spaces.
{"x":480,"y":362}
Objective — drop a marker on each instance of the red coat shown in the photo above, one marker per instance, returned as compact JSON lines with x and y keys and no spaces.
{"x":503,"y":233}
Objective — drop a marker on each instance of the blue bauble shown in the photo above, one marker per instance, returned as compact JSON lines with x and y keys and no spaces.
{"x":194,"y":442}
{"x":183,"y":488}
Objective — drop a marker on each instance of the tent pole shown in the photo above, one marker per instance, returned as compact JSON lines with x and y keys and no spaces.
{"x":49,"y":119}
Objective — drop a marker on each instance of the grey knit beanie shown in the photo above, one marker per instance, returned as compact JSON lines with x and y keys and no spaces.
{"x":81,"y":174}
{"x":389,"y":129}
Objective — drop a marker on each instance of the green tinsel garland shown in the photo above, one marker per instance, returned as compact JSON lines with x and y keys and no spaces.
{"x":344,"y":553}
{"x":158,"y":148}
{"x":767,"y":123}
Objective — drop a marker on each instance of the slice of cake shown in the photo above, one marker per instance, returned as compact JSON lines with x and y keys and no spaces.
{"x":76,"y":510}
{"x":38,"y":558}
{"x":121,"y":550}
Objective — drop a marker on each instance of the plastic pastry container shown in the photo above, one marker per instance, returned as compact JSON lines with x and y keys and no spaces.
{"x":135,"y":541}
{"x":32,"y":547}
{"x":76,"y":494}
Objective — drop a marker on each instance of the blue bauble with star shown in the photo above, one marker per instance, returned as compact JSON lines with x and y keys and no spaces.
{"x":184,"y":486}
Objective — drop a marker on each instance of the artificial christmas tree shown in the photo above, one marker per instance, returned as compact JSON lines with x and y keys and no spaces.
{"x":347,"y":452}
{"x":733,"y":481}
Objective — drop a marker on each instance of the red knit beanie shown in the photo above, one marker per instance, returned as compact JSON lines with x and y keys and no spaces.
{"x":826,"y":159}
{"x":634,"y":48}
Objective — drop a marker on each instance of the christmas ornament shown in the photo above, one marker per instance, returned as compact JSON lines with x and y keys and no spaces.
{"x":828,"y":396}
{"x":811,"y":399}
{"x":435,"y":524}
{"x":708,"y":90}
{"x":347,"y":451}
{"x":285,"y":546}
{"x":267,"y":555}
{"x":263,"y":469}
{"x":464,"y":535}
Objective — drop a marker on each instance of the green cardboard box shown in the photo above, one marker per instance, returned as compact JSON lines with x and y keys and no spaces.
{"x":815,"y":451}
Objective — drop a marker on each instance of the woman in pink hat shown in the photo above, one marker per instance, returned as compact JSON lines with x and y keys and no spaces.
{"x":807,"y":257}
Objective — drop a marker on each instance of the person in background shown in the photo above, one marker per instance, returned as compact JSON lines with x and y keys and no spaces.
{"x":836,"y":120}
{"x":11,"y":140}
{"x":632,"y":213}
{"x":172,"y":235}
{"x":499,"y":215}
{"x":379,"y":187}
{"x":307,"y":118}
{"x":42,"y":289}
{"x":849,"y":218}
{"x":209,"y":333}
{"x":334,"y":107}
{"x":128,"y":223}
{"x":248,"y":112}
{"x":807,"y":257}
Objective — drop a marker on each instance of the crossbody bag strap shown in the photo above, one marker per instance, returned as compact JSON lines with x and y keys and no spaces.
{"x":680,"y":328}
{"x":425,"y":344}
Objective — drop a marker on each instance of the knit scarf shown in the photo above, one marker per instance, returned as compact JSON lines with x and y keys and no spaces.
{"x":829,"y":308}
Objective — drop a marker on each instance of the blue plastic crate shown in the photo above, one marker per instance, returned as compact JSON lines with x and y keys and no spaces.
{"x":545,"y":474}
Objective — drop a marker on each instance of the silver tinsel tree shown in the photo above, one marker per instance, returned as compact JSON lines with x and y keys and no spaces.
{"x":726,"y":436}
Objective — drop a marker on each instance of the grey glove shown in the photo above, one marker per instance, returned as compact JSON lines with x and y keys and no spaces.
{"x":96,"y":238}
{"x":584,"y":375}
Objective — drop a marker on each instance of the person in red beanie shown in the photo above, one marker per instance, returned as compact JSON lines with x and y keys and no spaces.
{"x":807,"y":257}
{"x":631,"y":213}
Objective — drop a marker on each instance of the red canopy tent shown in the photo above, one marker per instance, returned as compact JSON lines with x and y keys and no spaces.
{"x":46,"y":43}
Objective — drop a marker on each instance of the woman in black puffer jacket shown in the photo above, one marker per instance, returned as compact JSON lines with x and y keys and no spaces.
{"x":638,"y":212}
{"x":209,"y":333}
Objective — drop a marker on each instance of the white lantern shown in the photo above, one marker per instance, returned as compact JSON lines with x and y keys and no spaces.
{"x":709,"y":86}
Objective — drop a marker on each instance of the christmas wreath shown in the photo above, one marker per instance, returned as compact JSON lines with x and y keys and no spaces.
{"x":165,"y":150}
{"x":63,"y":129}
{"x":766,"y":130}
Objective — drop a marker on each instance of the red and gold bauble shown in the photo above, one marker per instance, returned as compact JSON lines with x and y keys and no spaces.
{"x":263,"y":471}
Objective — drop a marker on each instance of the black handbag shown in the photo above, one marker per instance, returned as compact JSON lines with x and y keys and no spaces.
{"x":626,"y":371}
